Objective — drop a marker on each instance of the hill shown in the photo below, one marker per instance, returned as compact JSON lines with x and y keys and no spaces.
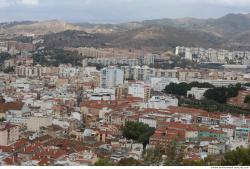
{"x":231,"y":32}
{"x":44,"y":27}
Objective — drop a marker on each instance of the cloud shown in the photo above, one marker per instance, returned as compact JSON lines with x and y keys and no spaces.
{"x":29,"y":2}
{"x":218,"y":2}
{"x":7,"y":3}
{"x":112,"y":11}
{"x":4,"y":3}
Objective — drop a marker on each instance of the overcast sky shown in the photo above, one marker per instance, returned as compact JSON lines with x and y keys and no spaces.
{"x":117,"y":11}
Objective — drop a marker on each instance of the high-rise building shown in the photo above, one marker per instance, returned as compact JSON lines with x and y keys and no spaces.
{"x":9,"y":134}
{"x":110,"y":77}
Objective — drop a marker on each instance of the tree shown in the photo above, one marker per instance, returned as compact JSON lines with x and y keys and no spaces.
{"x":177,"y":89}
{"x":4,"y":56}
{"x":128,"y":162}
{"x":138,"y":131}
{"x":2,"y":119}
{"x":9,"y":70}
{"x":153,"y":157}
{"x":55,"y":57}
{"x":247,"y":84}
{"x":174,"y":154}
{"x":240,"y":157}
{"x":208,"y":161}
{"x":103,"y":162}
{"x":194,"y":163}
{"x":247,"y":99}
{"x":221,"y":94}
{"x":182,"y":88}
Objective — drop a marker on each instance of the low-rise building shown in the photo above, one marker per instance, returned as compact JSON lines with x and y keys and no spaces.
{"x":197,"y":93}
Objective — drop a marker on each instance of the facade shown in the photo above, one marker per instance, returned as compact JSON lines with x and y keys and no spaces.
{"x":140,"y":90}
{"x":242,"y":134}
{"x":110,"y":77}
{"x":237,"y":68}
{"x":149,"y":121}
{"x":9,"y":134}
{"x":30,"y":71}
{"x":211,"y":55}
{"x":34,"y":123}
{"x":216,"y":149}
{"x":197,"y":93}
{"x":160,"y":102}
{"x":121,"y":92}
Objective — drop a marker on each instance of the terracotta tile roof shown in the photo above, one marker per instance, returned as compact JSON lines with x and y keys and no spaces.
{"x":6,"y":148}
{"x":186,"y":110}
{"x":11,"y":160}
{"x":50,"y":153}
{"x":179,"y":126}
{"x":31,"y":148}
{"x":20,"y":143}
{"x":227,"y":126}
{"x":44,"y":162}
{"x":194,"y":158}
{"x":11,"y":106}
{"x":43,"y":138}
{"x":201,"y":128}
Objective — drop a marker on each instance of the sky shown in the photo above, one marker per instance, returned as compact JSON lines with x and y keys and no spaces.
{"x":117,"y":11}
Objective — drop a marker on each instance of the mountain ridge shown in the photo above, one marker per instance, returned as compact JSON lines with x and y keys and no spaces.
{"x":229,"y":31}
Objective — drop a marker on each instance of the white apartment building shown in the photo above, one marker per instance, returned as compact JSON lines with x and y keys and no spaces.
{"x":68,"y":71}
{"x":179,"y":50}
{"x":188,"y":54}
{"x":149,"y":121}
{"x":111,"y":77}
{"x":114,"y":61}
{"x":9,"y":134}
{"x":160,"y":102}
{"x":3,"y":47}
{"x":102,"y":94}
{"x":160,"y":83}
{"x":236,"y":68}
{"x":216,"y":83}
{"x":30,"y":71}
{"x":197,"y":93}
{"x":140,"y":90}
{"x":212,"y":55}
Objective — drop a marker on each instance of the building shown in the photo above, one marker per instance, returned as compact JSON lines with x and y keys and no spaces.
{"x":180,"y":50}
{"x":34,"y":123}
{"x":110,"y":77}
{"x":242,"y":134}
{"x":197,"y":93}
{"x":188,"y":54}
{"x":216,"y":149}
{"x":121,"y":92}
{"x":151,"y":122}
{"x":30,"y":71}
{"x":160,"y":83}
{"x":160,"y":102}
{"x":140,"y":90}
{"x":236,"y":68}
{"x":9,"y":134}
